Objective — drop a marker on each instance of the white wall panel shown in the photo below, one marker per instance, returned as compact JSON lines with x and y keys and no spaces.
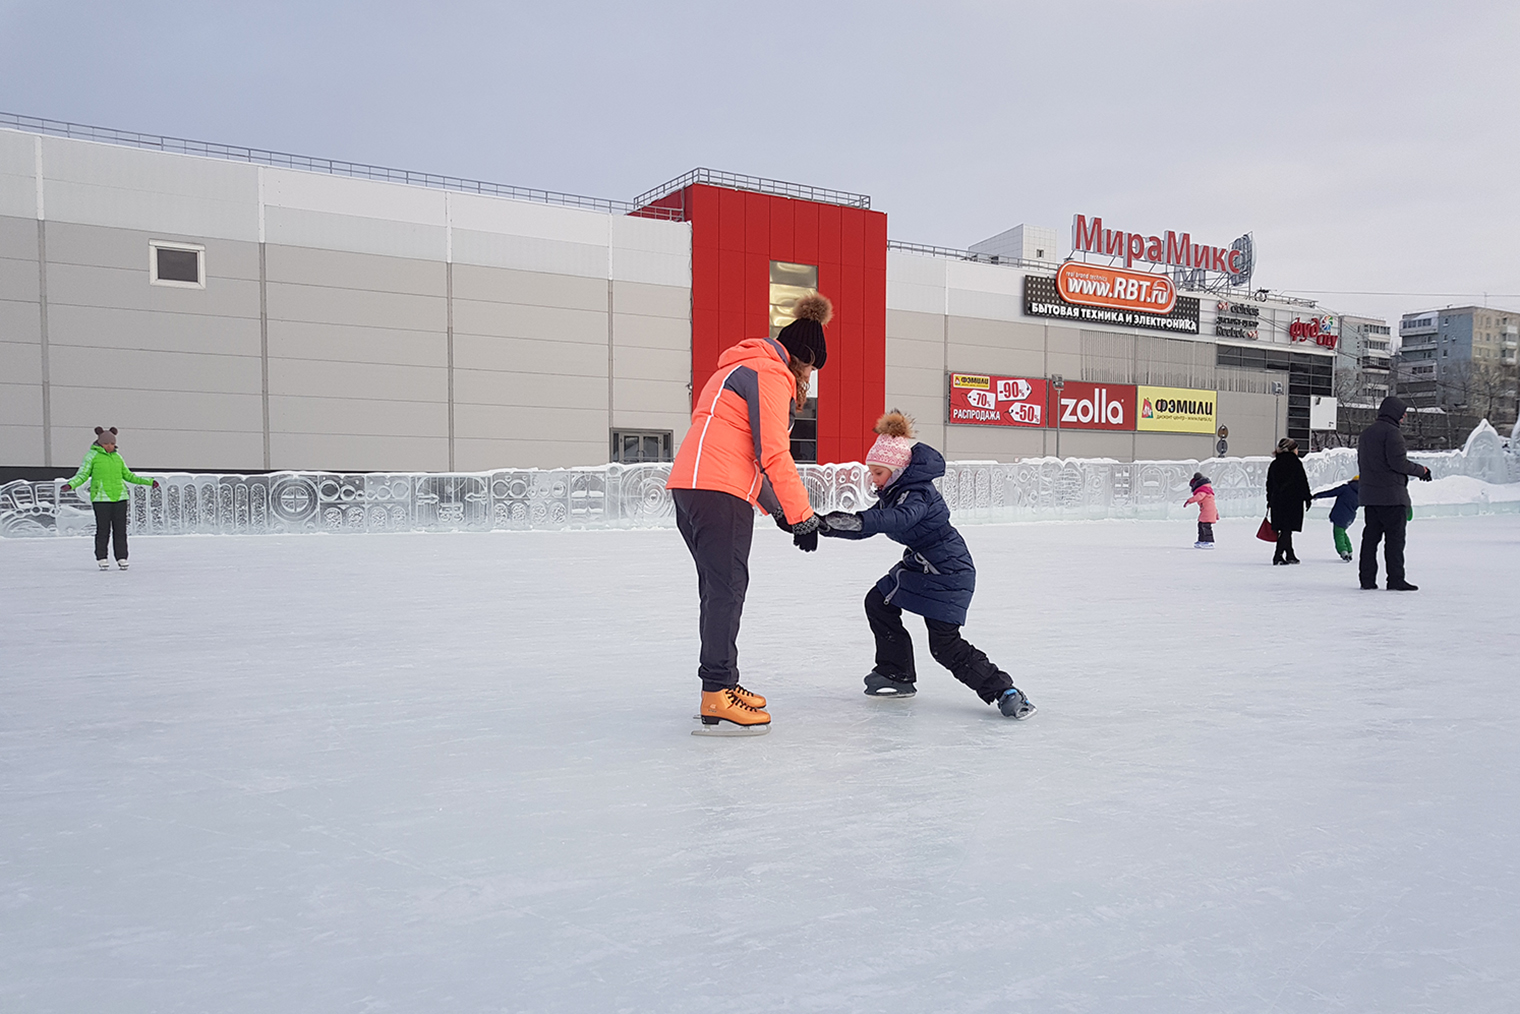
{"x":529,"y":253}
{"x":525,"y":219}
{"x":652,"y":251}
{"x":127,"y":188}
{"x":915,"y":282}
{"x":18,"y":174}
{"x":350,"y":197}
{"x":354,"y":233}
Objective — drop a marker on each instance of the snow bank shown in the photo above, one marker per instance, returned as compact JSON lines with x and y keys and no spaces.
{"x":634,"y":496}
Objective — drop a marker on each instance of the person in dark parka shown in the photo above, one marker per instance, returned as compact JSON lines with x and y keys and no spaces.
{"x":1385,"y":468}
{"x":935,"y":578}
{"x":1288,"y":496}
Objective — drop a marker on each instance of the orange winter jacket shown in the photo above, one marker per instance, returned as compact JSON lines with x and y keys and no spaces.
{"x":740,"y":436}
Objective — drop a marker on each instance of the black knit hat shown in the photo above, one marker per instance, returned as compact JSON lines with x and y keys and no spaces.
{"x":803,"y":337}
{"x":1198,"y":479}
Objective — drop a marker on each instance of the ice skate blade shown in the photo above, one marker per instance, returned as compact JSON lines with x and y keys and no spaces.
{"x":1025,"y":716}
{"x":731,"y":730}
{"x":892,"y":695}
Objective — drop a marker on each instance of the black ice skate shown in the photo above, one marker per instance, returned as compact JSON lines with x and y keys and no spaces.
{"x":1013,"y":704}
{"x":880,"y":685}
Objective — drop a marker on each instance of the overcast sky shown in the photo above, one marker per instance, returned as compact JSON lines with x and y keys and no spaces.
{"x":1371,"y":147}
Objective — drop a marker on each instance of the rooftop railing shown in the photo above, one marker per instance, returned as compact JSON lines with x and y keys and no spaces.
{"x":754,"y":184}
{"x":334,"y":167}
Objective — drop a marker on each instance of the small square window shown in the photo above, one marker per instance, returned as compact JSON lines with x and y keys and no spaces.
{"x":178,"y":264}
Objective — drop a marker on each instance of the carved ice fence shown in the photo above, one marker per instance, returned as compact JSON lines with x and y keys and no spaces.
{"x":634,"y":496}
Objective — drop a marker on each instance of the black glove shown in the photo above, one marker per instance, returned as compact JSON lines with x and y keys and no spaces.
{"x":841,"y":521}
{"x":805,"y":534}
{"x":780,"y":520}
{"x":1427,"y":476}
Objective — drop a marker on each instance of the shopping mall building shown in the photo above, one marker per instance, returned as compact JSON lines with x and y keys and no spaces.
{"x":242,"y":310}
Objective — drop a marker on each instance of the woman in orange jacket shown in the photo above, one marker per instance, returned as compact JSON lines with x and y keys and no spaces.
{"x":737,"y":455}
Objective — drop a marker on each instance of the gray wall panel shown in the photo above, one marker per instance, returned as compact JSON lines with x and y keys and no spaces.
{"x":1006,"y":361}
{"x":630,"y":331}
{"x":531,"y":356}
{"x":321,"y":305}
{"x":918,"y":355}
{"x":129,"y":289}
{"x":354,"y":233}
{"x":512,"y":320}
{"x":668,"y":397}
{"x":912,"y":326}
{"x":999,"y":334}
{"x":99,"y":327}
{"x":337,"y":343}
{"x":651,"y":364}
{"x":1173,"y":446}
{"x":21,"y":445}
{"x":19,"y":280}
{"x":1256,"y":421}
{"x":652,"y":300}
{"x":320,"y":378}
{"x":357,"y":417}
{"x":81,"y":409}
{"x":346,"y":270}
{"x":20,"y":363}
{"x":20,"y":322}
{"x":136,"y":370}
{"x":472,"y":454}
{"x":18,"y":240}
{"x":497,"y":422}
{"x":20,"y":403}
{"x":18,"y":174}
{"x":494,"y":387}
{"x":97,"y":246}
{"x":529,"y":288}
{"x":970,"y":443}
{"x":358,"y":452}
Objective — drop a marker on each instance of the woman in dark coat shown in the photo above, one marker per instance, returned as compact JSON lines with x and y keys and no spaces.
{"x":1288,"y":496}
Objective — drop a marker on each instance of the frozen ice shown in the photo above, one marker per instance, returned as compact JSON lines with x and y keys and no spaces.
{"x":634,"y":496}
{"x":421,"y":772}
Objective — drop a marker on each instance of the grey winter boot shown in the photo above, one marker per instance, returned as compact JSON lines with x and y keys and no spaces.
{"x":1013,"y":704}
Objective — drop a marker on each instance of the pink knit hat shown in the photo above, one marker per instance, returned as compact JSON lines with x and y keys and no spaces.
{"x":894,"y":446}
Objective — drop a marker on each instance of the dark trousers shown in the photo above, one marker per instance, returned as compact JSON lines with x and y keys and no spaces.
{"x":1381,"y":521}
{"x":1284,"y":547}
{"x":1205,"y":531}
{"x":718,"y":528}
{"x":110,"y":521}
{"x":894,"y":650}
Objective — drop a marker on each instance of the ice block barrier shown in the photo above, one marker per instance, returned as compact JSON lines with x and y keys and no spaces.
{"x":634,"y":496}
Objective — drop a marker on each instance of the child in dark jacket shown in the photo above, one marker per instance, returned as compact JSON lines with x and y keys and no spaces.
{"x":1343,"y":512}
{"x":935,"y":578}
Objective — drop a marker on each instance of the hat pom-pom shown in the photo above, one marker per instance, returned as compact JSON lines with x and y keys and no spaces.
{"x":895,"y":424}
{"x":814,"y":306}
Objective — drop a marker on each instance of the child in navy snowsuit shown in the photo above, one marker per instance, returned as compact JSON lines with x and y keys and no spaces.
{"x":935,"y":578}
{"x":1343,"y":512}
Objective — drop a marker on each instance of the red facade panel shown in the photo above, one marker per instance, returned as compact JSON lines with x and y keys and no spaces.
{"x":735,"y":236}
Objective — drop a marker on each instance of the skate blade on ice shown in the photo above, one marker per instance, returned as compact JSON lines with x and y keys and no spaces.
{"x":722,"y":728}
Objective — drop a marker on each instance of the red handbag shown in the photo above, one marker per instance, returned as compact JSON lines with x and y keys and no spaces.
{"x":1266,"y":532}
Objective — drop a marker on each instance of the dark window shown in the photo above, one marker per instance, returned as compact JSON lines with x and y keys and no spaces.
{"x":630,"y":447}
{"x":174,"y":264}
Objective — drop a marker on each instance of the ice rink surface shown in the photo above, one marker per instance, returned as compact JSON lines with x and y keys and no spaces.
{"x":452,"y":773}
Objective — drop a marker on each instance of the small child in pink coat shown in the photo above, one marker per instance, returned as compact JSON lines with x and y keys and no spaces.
{"x":1208,"y":511}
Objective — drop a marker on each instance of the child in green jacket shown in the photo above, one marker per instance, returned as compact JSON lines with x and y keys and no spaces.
{"x":104,"y":470}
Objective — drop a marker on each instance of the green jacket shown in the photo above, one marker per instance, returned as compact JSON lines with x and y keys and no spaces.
{"x":105,"y":473}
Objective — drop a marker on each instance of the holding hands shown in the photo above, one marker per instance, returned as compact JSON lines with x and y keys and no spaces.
{"x":841,"y":521}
